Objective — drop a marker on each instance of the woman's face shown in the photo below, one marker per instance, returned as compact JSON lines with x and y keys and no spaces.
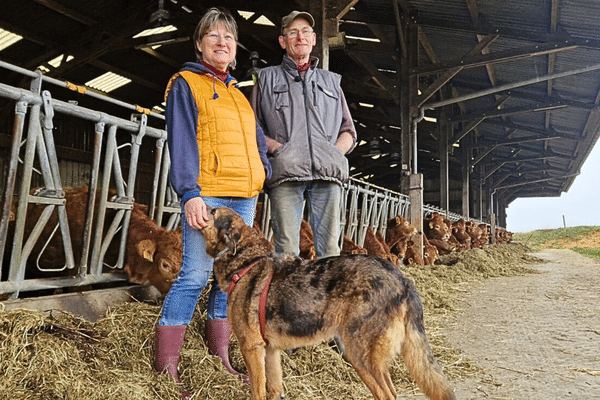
{"x":218,"y":47}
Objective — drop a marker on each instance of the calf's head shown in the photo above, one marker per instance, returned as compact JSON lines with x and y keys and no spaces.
{"x":155,"y":261}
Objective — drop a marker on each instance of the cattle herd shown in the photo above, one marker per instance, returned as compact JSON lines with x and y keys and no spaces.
{"x":153,"y":254}
{"x":441,"y":237}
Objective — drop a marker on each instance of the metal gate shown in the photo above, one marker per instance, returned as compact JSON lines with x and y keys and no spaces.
{"x":114,"y":155}
{"x":33,"y":152}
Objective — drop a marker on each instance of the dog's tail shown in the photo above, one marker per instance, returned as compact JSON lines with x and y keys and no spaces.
{"x":417,"y":354}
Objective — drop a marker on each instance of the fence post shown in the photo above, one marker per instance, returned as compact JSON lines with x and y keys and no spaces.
{"x":415,"y":193}
{"x":493,"y":228}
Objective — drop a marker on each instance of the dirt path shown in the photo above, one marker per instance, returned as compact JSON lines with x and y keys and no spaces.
{"x":536,"y":336}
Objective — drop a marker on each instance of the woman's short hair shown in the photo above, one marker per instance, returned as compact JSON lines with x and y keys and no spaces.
{"x":210,"y":20}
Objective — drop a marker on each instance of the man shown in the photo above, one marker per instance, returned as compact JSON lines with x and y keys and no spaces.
{"x":308,"y":129}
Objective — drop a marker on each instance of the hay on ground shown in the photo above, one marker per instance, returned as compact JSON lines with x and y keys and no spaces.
{"x":61,"y":356}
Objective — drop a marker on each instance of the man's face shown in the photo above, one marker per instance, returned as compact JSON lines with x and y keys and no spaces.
{"x":298,"y":40}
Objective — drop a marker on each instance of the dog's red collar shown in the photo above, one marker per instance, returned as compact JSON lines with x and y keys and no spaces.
{"x":263,"y":296}
{"x":236,"y":277}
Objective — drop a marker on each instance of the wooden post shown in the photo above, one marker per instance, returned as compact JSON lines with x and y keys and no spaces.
{"x":444,"y":130}
{"x":493,"y":227}
{"x":416,"y":208}
{"x":466,"y":200}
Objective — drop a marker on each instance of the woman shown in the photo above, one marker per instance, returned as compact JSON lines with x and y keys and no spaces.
{"x":218,"y":158}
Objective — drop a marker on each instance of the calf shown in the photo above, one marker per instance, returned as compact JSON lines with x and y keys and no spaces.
{"x":377,"y":247}
{"x":349,"y":247}
{"x":399,"y":248}
{"x":412,"y":256}
{"x":397,"y":229}
{"x":430,"y":252}
{"x":153,"y":254}
{"x":438,"y":233}
{"x":435,"y":227}
{"x":503,"y":236}
{"x":459,"y":231}
{"x":307,"y":244}
{"x":474,"y":232}
{"x":398,"y":232}
{"x":485,"y":235}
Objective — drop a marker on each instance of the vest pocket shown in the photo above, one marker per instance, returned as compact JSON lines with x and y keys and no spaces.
{"x":281,"y":96}
{"x":214,"y":167}
{"x":325,"y":97}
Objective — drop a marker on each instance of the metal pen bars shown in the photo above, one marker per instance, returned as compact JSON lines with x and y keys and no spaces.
{"x":363,"y":205}
{"x":35,"y":109}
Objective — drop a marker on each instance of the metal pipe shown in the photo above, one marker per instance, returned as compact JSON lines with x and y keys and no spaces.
{"x":54,"y":283}
{"x":509,"y":86}
{"x":535,"y":181}
{"x":63,"y":84}
{"x":91,"y":201}
{"x":78,"y":111}
{"x":17,"y":134}
{"x":415,"y":122}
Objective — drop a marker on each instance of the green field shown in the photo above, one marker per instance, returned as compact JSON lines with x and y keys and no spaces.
{"x":584,"y":240}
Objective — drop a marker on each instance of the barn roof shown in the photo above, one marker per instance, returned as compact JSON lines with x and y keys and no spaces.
{"x":513,"y":85}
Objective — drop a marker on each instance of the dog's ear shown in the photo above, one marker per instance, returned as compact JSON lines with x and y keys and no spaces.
{"x":229,"y":239}
{"x":229,"y":234}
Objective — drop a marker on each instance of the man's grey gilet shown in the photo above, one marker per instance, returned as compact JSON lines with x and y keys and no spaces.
{"x":311,"y":112}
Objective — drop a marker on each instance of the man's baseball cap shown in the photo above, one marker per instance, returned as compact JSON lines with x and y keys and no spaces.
{"x":288,"y":19}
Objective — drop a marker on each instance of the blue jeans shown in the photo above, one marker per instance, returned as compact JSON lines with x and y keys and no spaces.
{"x":196,"y":267}
{"x":323,"y":204}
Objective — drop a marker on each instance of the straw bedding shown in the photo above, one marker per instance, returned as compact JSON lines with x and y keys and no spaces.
{"x":57,"y":355}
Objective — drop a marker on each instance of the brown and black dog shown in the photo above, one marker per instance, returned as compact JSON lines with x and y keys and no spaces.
{"x":363,"y":300}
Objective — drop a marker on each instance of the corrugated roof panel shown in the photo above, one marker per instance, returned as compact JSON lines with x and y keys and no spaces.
{"x":580,"y":86}
{"x":529,"y":16}
{"x":580,"y":18}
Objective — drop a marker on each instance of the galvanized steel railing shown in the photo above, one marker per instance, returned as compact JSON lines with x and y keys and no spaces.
{"x":364,"y":205}
{"x":35,"y":108}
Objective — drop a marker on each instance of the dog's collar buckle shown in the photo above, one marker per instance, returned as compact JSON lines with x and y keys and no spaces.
{"x":237,"y":276}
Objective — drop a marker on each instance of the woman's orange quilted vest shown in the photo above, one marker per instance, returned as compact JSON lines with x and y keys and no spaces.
{"x":230,"y":165}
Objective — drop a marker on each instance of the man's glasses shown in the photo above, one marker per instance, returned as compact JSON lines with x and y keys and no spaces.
{"x":293,"y":33}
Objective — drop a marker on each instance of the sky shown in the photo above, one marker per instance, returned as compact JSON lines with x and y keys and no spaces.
{"x":580,"y":205}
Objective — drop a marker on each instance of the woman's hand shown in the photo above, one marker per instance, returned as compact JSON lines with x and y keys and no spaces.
{"x":196,"y":214}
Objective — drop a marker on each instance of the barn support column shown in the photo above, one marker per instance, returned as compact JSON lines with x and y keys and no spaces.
{"x":493,"y":228}
{"x":444,"y":133}
{"x":415,"y":194}
{"x":466,"y":175}
{"x":327,"y":14}
{"x":491,"y":213}
{"x":408,"y":92}
{"x":480,"y":213}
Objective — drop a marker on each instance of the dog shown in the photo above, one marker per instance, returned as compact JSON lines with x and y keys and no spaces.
{"x":278,"y":302}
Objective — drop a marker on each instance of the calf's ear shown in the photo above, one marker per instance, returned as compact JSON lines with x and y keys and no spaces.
{"x":146,"y":249}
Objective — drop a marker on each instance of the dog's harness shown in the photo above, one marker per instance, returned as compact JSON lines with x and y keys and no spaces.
{"x":262,"y":305}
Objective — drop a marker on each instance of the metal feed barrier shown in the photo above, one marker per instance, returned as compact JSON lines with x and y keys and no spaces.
{"x":118,"y":139}
{"x":35,"y":109}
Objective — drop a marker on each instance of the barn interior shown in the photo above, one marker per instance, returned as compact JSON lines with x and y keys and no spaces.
{"x":489,"y":101}
{"x":463,"y":105}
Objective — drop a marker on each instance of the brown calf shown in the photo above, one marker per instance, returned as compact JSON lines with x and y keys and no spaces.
{"x":153,"y":254}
